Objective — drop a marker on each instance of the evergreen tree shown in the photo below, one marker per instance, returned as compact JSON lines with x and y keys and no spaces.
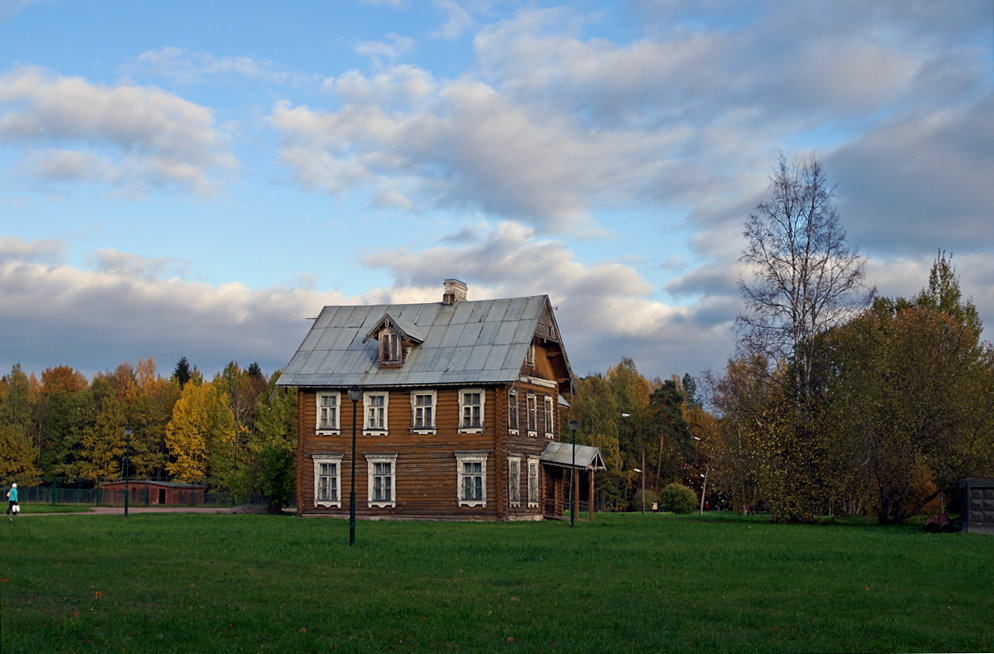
{"x":182,"y":372}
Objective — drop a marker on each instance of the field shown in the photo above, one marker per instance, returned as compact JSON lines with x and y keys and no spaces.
{"x":623,"y":583}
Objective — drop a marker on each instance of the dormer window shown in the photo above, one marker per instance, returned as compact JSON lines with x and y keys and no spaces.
{"x":391,"y":349}
{"x":395,"y":339}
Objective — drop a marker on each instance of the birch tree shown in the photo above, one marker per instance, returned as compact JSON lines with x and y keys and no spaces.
{"x":804,"y":280}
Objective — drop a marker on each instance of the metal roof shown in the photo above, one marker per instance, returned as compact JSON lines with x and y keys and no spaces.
{"x":481,"y":341}
{"x":561,"y":454}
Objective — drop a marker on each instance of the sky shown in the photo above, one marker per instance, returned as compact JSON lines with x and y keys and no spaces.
{"x":199,"y":178}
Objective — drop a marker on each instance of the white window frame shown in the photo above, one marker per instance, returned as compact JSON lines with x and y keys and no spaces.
{"x":463,"y":406}
{"x":512,"y":411}
{"x":332,"y":429}
{"x":371,"y":461}
{"x":514,"y":481}
{"x":336,"y":480}
{"x":462,"y":458}
{"x":530,"y":356}
{"x":549,"y":416}
{"x":531,"y":412}
{"x":533,"y":482}
{"x":429,"y":428}
{"x":371,"y":427}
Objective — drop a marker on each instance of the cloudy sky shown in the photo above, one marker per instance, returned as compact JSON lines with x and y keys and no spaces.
{"x":199,"y":178}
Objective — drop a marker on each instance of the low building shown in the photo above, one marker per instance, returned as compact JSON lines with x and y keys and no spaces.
{"x":142,"y":491}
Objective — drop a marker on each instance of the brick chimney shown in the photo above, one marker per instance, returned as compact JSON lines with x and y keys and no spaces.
{"x":455,"y":291}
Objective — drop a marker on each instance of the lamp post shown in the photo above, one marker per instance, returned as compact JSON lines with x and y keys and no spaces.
{"x":355,"y":394}
{"x":573,"y":424}
{"x":127,"y":464}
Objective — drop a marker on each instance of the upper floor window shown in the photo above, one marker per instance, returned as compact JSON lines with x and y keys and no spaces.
{"x":549,"y":424}
{"x":530,"y":356}
{"x":471,"y":410}
{"x":375,"y":405}
{"x":532,"y":414}
{"x":327,"y":414}
{"x":512,"y":410}
{"x":423,"y":412}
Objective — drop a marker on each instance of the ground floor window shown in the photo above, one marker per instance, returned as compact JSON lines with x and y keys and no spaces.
{"x":532,"y":482}
{"x":327,"y":480}
{"x":382,"y":480}
{"x":471,"y":470}
{"x":514,"y":481}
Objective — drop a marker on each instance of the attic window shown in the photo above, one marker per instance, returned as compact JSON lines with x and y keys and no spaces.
{"x":391,"y":348}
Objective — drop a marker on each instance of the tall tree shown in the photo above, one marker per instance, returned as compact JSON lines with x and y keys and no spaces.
{"x":272,"y":445}
{"x":200,"y":436}
{"x":675,"y":446}
{"x":182,"y":371}
{"x":915,"y":385}
{"x":596,"y":411}
{"x":804,"y":281}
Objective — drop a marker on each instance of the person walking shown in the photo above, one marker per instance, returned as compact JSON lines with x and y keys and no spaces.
{"x":12,"y":506}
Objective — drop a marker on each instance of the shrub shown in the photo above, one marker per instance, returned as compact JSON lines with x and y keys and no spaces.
{"x":678,"y":499}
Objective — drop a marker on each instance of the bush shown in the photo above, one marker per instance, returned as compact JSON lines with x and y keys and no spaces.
{"x":678,"y":499}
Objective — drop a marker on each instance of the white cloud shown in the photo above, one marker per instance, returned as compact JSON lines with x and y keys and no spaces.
{"x":604,"y":309}
{"x":55,"y":314}
{"x":126,"y":136}
{"x":184,"y":66}
{"x":394,"y":47}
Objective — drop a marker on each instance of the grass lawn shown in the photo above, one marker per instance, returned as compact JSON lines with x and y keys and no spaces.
{"x":623,"y":583}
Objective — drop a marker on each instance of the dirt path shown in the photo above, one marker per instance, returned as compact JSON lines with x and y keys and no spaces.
{"x":119,"y":510}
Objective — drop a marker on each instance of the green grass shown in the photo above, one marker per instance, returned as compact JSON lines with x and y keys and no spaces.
{"x":624,"y":583}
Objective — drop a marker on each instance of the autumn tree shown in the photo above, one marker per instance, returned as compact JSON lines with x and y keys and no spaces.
{"x":200,"y":436}
{"x":103,"y":443}
{"x":804,"y":280}
{"x":594,"y":408}
{"x":18,"y":452}
{"x":915,"y":386}
{"x":271,"y":468}
{"x":148,"y":408}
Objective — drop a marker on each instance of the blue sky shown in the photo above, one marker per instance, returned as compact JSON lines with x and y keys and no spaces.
{"x":198,"y":178}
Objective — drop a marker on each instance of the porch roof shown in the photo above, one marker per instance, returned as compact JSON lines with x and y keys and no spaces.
{"x":561,"y":454}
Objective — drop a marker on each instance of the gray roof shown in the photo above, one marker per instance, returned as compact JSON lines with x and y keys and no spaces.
{"x":561,"y":454}
{"x":483,"y":341}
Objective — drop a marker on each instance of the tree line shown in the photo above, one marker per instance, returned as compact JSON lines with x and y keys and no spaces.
{"x":235,"y":433}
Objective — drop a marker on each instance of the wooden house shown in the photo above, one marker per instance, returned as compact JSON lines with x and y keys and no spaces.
{"x":453,"y":406}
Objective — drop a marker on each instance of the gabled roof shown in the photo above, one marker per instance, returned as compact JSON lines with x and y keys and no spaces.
{"x":410,"y":331}
{"x":482,"y":341}
{"x":561,"y":454}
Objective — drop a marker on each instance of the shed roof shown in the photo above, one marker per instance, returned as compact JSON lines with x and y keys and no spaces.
{"x":561,"y":454}
{"x":481,"y":342}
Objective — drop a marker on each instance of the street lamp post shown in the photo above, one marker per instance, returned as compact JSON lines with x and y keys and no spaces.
{"x":573,"y":424}
{"x":127,"y":464}
{"x":355,"y":394}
